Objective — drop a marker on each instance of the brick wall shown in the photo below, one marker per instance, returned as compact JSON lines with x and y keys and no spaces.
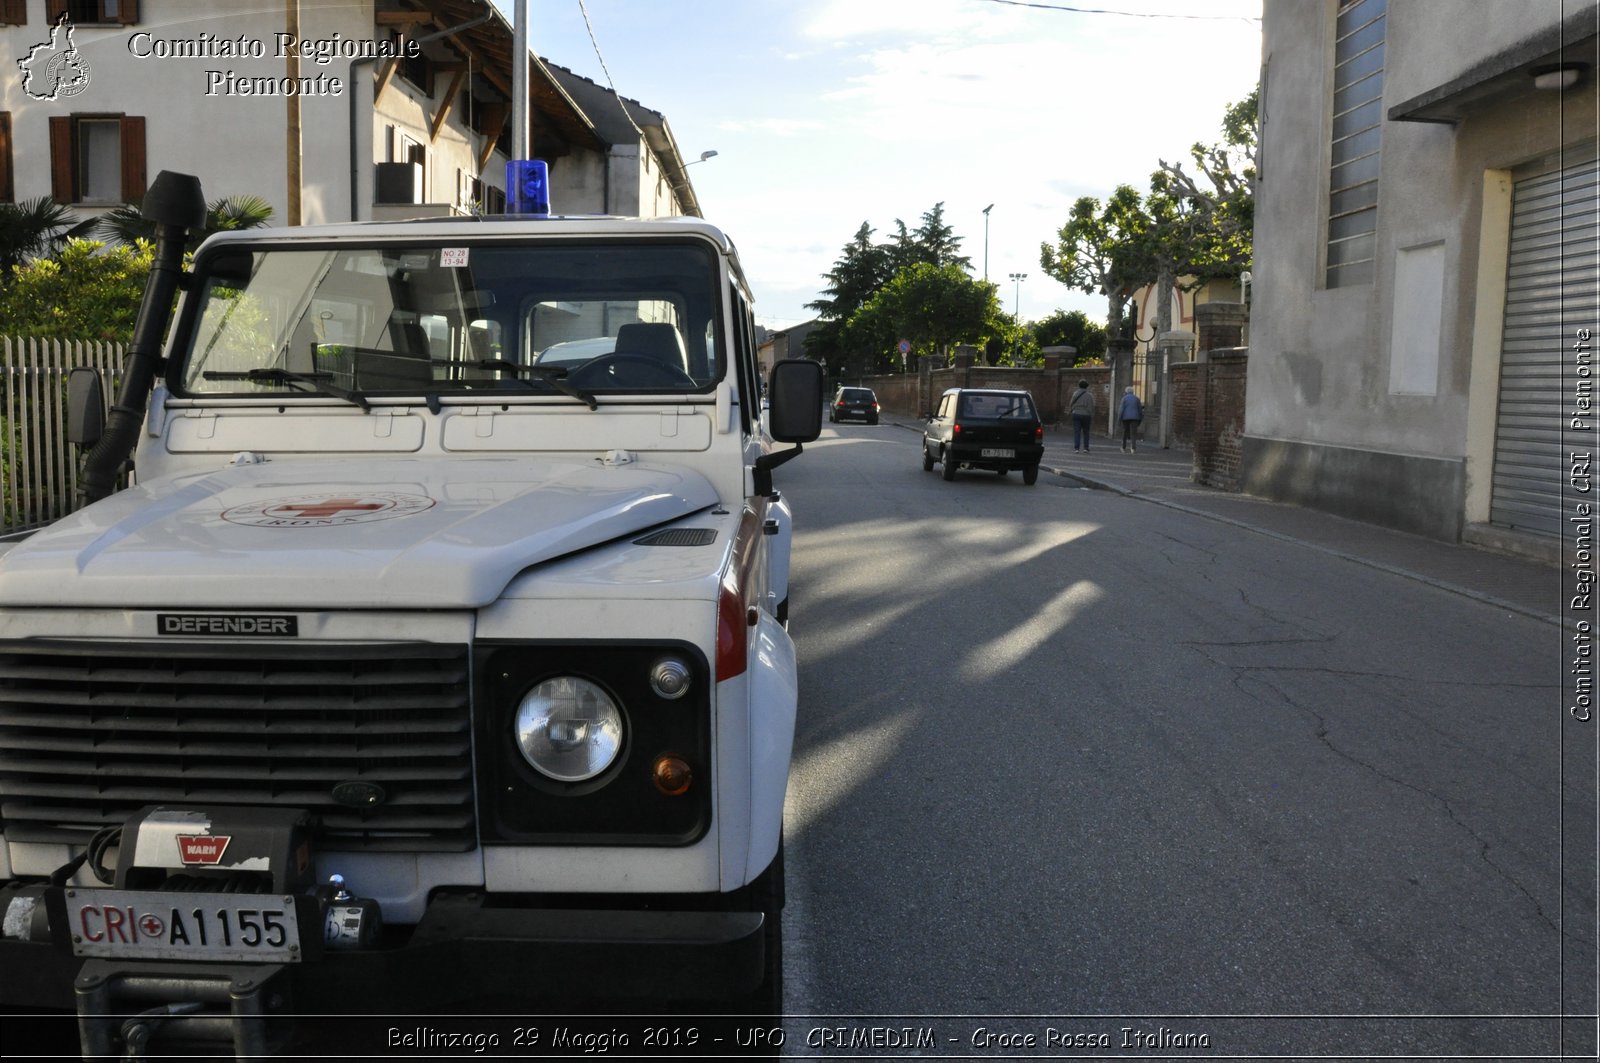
{"x":1219,"y":420}
{"x":1185,"y":384}
{"x":1051,"y":388}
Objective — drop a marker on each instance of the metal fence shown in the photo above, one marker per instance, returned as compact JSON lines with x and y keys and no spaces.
{"x":38,"y":467}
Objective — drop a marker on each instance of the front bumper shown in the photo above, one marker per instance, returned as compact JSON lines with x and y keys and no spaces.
{"x":466,"y":951}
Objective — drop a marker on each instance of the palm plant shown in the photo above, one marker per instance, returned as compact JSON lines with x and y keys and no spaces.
{"x":125,"y":224}
{"x":33,"y":228}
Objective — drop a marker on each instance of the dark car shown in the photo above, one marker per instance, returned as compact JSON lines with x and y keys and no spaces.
{"x":983,"y":428}
{"x":854,"y":404}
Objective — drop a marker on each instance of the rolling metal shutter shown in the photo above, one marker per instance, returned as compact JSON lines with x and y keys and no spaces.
{"x":1552,"y":274}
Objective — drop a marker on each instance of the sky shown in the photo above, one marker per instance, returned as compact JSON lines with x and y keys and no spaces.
{"x":832,"y":113}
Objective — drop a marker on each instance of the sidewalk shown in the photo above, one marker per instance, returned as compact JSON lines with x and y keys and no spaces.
{"x":1162,"y":477}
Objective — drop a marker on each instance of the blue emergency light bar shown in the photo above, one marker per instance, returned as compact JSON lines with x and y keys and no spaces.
{"x":528,"y":187}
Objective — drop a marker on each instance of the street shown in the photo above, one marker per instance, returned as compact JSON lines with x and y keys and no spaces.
{"x":1095,"y":765}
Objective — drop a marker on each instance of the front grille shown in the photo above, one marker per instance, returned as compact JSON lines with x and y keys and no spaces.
{"x":92,"y":732}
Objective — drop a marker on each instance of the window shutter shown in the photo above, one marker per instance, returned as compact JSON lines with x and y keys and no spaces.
{"x":128,"y":12}
{"x":133,"y":183}
{"x":61,"y":160}
{"x":54,"y":9}
{"x":14,"y":12}
{"x":8,"y":189}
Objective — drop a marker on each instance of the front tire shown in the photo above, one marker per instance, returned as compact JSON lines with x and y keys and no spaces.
{"x":927,"y":459}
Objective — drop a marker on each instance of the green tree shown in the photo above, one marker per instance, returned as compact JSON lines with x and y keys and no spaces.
{"x":861,"y":269}
{"x":1203,"y":232}
{"x":231,"y":213}
{"x":901,"y":250}
{"x":931,"y":306}
{"x":1223,"y":208}
{"x":935,"y":242}
{"x":1099,"y":251}
{"x":33,"y":228}
{"x":1072,"y":329}
{"x":88,"y":291}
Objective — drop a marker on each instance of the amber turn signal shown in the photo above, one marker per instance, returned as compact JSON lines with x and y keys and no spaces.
{"x":671,"y":775}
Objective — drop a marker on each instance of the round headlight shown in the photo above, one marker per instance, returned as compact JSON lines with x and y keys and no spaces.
{"x":569,"y":729}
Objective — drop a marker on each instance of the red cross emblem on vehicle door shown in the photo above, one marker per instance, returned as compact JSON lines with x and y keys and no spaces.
{"x":331,"y":507}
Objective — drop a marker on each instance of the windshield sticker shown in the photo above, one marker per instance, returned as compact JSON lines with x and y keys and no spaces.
{"x":329,"y":510}
{"x":452,"y":257}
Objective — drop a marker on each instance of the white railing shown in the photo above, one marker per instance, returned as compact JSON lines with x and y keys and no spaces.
{"x":38,"y":467}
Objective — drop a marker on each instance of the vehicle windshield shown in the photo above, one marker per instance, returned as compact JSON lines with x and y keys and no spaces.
{"x":578,"y":319}
{"x":996,"y":406}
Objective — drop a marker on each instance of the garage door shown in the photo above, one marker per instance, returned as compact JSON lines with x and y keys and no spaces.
{"x":1551,"y":283}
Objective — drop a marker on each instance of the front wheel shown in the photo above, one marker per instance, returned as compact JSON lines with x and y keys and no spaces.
{"x":927,"y":459}
{"x":1030,"y":475}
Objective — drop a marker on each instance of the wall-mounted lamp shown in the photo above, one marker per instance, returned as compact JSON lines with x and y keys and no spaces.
{"x":1558,"y":76}
{"x":704,"y":155}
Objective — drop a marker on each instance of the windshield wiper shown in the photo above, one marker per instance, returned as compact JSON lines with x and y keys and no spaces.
{"x":551,"y":374}
{"x":315,"y":383}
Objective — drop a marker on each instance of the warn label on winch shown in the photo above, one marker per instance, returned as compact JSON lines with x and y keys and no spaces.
{"x":218,"y":625}
{"x":202,"y":849}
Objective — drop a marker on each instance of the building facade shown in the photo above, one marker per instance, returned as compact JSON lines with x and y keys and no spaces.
{"x":330,"y":110}
{"x":1425,"y":262}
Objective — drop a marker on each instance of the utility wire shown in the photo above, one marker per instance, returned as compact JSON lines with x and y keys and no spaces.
{"x":1129,"y":14}
{"x":620,"y":101}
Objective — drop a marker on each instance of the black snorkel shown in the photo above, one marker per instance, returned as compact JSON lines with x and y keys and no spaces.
{"x":176,"y":205}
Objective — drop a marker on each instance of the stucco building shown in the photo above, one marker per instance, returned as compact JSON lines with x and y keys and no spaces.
{"x":331,"y":110}
{"x":1426,"y":263}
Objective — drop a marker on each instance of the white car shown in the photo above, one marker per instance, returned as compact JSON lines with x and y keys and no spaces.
{"x":407,"y":673}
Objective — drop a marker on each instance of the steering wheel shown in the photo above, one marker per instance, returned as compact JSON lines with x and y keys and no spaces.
{"x":609,"y":369}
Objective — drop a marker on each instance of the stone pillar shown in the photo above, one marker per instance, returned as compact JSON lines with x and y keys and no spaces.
{"x":1174,"y":346}
{"x":1057,"y":360}
{"x":924,"y":385}
{"x":966,"y":355}
{"x":1221,"y":325}
{"x":1119,"y":356}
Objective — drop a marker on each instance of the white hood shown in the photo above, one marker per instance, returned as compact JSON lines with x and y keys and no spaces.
{"x":341,"y":535}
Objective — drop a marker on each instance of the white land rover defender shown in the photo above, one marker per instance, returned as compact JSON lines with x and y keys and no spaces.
{"x":414,"y":670}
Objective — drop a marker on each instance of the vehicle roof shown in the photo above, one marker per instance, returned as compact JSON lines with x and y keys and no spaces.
{"x":491,"y":226}
{"x":480,"y":226}
{"x":991,"y":391}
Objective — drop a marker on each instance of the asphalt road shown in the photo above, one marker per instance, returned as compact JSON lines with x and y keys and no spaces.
{"x":1070,"y":761}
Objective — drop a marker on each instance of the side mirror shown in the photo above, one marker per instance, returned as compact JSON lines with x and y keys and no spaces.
{"x":86,"y":407}
{"x":795,"y":391}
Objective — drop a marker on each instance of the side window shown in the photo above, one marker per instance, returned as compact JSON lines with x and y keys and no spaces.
{"x":743,"y":358}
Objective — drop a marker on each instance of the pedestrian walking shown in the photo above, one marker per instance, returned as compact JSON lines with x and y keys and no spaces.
{"x":1081,"y":407}
{"x":1130,"y":413}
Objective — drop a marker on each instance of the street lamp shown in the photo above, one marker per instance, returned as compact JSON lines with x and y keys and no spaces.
{"x":1016,"y":312}
{"x":704,"y":155}
{"x":986,"y":211}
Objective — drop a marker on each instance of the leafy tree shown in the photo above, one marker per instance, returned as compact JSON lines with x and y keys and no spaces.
{"x":902,"y":249}
{"x":1204,"y":232}
{"x":1072,"y":329}
{"x":931,"y":306}
{"x":88,"y":291}
{"x":936,"y":243}
{"x":33,"y":228}
{"x":1098,"y":250}
{"x":861,"y":269}
{"x":1224,"y":208}
{"x":125,"y":224}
